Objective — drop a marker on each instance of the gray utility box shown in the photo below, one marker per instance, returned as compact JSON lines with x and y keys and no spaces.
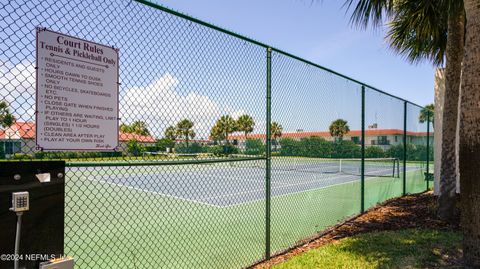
{"x":41,"y":236}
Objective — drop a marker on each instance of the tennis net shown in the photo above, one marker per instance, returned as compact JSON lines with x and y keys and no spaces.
{"x":374,"y":167}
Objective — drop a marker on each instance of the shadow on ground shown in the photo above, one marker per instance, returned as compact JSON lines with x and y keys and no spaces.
{"x":422,"y":241}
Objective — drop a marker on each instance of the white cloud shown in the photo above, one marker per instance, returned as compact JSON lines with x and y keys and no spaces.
{"x":17,"y":87}
{"x":160,"y":105}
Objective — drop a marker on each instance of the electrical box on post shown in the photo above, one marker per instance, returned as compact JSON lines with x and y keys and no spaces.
{"x":32,"y":198}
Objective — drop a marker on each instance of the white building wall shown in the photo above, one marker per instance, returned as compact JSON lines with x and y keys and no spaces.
{"x":438,"y":117}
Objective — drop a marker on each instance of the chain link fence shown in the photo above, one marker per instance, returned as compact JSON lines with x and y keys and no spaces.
{"x":230,"y":150}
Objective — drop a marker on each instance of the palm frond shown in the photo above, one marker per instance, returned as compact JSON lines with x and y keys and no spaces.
{"x":367,"y":12}
{"x":418,"y":30}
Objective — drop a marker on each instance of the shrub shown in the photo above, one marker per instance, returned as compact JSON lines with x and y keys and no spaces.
{"x":223,"y":150}
{"x":164,"y":143}
{"x":2,"y":151}
{"x":75,"y":155}
{"x":315,"y":146}
{"x":374,"y":152}
{"x":134,"y":148}
{"x":254,"y":147}
{"x":20,"y":156}
{"x":346,"y":149}
{"x":289,"y":147}
{"x":414,"y":152}
{"x":192,"y":148}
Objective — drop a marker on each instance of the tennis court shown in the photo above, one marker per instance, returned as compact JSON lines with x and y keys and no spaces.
{"x":233,"y":183}
{"x":218,"y":207}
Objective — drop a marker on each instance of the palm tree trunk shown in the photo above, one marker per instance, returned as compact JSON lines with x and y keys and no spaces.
{"x":454,"y":54}
{"x":470,"y":138}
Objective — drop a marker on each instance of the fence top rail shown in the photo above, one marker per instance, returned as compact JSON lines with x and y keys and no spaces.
{"x":253,"y":41}
{"x":159,"y":163}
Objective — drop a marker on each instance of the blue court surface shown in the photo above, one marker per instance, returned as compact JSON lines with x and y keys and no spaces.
{"x":230,"y":184}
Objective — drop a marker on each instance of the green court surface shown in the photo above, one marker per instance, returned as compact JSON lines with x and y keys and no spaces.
{"x":108,"y":225}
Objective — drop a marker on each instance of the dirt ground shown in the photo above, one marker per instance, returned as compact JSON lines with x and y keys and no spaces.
{"x":412,"y":211}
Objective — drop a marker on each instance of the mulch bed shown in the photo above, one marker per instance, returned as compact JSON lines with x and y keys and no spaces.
{"x":408,"y":212}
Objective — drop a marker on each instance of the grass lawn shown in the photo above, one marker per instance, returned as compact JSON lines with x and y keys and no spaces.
{"x":389,"y":249}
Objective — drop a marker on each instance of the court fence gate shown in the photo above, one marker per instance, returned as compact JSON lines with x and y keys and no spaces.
{"x":230,"y":150}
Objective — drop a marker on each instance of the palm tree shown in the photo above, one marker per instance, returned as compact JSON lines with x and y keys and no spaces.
{"x":431,"y":30}
{"x":171,"y":133}
{"x":339,"y":128}
{"x":456,"y":13}
{"x":216,"y":133}
{"x":426,"y":114}
{"x":184,"y":129}
{"x":276,"y":130}
{"x":225,"y":126}
{"x":469,"y":138}
{"x":245,"y":124}
{"x":137,"y":127}
{"x":140,"y":127}
{"x":6,"y":118}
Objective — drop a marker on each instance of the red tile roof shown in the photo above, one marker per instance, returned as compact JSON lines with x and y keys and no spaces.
{"x":327,"y":134}
{"x":26,"y":130}
{"x":140,"y":138}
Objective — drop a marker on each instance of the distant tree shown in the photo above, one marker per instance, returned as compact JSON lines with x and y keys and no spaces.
{"x":171,"y":133}
{"x":216,"y":133}
{"x":339,"y":128}
{"x":6,"y":118}
{"x":137,"y":127}
{"x":275,"y":132}
{"x":426,"y":113}
{"x":245,"y":124}
{"x":224,"y":126}
{"x":185,"y":130}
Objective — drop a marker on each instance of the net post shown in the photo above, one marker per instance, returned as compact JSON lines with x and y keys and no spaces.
{"x":428,"y":150}
{"x":404,"y":182}
{"x":268,"y":151}
{"x":362,"y":178}
{"x":393,"y":170}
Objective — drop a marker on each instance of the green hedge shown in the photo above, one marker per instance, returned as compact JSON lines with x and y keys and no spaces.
{"x":72,"y":155}
{"x":223,"y":150}
{"x":319,"y":147}
{"x":254,"y":147}
{"x":192,"y":148}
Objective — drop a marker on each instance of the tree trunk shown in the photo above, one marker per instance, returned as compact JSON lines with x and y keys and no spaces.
{"x":454,"y":53}
{"x":470,"y":138}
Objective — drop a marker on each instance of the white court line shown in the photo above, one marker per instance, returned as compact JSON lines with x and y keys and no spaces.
{"x":154,"y":192}
{"x":277,"y":187}
{"x":308,"y":190}
{"x":240,"y":193}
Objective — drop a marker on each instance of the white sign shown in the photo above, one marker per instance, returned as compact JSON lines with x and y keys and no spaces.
{"x":77,"y":94}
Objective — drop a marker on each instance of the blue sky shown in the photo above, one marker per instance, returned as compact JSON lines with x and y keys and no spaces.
{"x":171,"y":69}
{"x":318,"y":31}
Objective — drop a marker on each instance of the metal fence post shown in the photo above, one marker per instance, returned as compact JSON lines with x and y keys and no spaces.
{"x":362,"y":179}
{"x":428,"y":150}
{"x":268,"y":158}
{"x":404,"y":184}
